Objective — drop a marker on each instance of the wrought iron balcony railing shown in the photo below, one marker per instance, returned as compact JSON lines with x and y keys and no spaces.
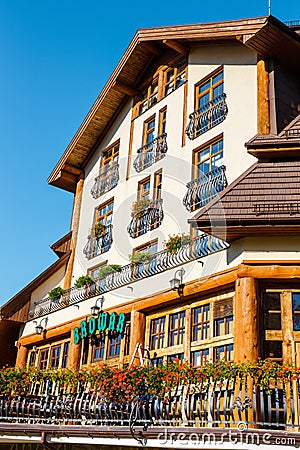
{"x":97,"y":245}
{"x":198,"y":248}
{"x":151,"y":152}
{"x":106,"y":180}
{"x":207,"y":116}
{"x":151,"y":218}
{"x":236,"y":405}
{"x":204,"y":188}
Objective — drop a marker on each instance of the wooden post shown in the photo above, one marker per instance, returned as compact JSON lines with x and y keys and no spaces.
{"x":22,"y":357}
{"x":246,"y":332}
{"x":74,"y":228}
{"x":288,"y":343}
{"x":74,"y":353}
{"x":263,"y":103}
{"x":137,"y":332}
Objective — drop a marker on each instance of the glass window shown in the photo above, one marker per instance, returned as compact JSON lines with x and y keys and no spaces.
{"x":176,"y":328}
{"x":98,"y":350}
{"x":65,"y":356}
{"x":208,"y":158}
{"x":43,"y":359}
{"x":54,"y":357}
{"x":110,"y":157}
{"x":209,"y":89}
{"x":224,"y":325}
{"x":224,"y":352}
{"x":272,"y":311}
{"x":296,"y":311}
{"x":175,"y":358}
{"x":32,"y":358}
{"x":157,"y":361}
{"x":157,"y":333}
{"x":114,"y":346}
{"x":199,"y":357}
{"x":200,"y":322}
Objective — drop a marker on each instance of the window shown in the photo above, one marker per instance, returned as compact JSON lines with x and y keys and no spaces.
{"x":157,"y":333}
{"x":162,"y":124}
{"x":104,"y":213}
{"x":114,"y":346}
{"x":143,"y":260}
{"x":55,"y":356}
{"x":199,"y":357}
{"x":296,"y":311}
{"x":224,"y":352}
{"x":175,"y":358}
{"x":223,"y":317}
{"x":208,"y":158}
{"x":166,"y":80}
{"x":109,"y":171}
{"x":144,"y":188}
{"x":272,"y":310}
{"x":209,"y":89}
{"x":200,"y":322}
{"x":149,"y":131}
{"x":98,"y":350}
{"x":32,"y":358}
{"x":157,"y":361}
{"x":65,"y":356}
{"x":176,"y":328}
{"x":157,"y":185}
{"x":174,"y":77}
{"x":43,"y":359}
{"x":101,"y":236}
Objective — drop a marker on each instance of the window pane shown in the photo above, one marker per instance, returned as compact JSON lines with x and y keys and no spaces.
{"x":296,"y":311}
{"x":199,"y":357}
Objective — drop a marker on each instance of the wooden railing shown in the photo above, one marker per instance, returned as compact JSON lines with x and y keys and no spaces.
{"x":106,"y":180}
{"x":204,"y":188}
{"x":151,"y":152}
{"x":207,"y":116}
{"x":199,"y":247}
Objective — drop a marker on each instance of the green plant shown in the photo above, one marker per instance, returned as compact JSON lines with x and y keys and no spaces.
{"x":99,"y":229}
{"x":176,"y":241}
{"x":56,"y":293}
{"x":111,"y":268}
{"x":141,"y":257}
{"x":84,"y":280}
{"x":139,"y":207}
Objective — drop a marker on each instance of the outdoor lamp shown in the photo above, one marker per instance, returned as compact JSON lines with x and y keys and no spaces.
{"x":176,"y":282}
{"x":95,"y":310}
{"x":39,"y":329}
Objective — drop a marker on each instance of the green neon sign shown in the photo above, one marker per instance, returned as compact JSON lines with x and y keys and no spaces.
{"x":113,"y":323}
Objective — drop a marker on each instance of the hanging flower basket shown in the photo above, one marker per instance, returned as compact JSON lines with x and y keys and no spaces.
{"x":99,"y":229}
{"x":176,"y":241}
{"x":139,"y":207}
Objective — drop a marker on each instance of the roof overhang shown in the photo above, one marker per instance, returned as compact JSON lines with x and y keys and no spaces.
{"x":265,"y":35}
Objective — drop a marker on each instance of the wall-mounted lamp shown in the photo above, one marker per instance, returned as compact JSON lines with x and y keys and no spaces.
{"x":95,"y":310}
{"x":176,"y":283}
{"x":39,"y":329}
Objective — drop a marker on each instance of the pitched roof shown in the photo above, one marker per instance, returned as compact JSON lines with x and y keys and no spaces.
{"x":264,"y":200}
{"x":265,"y":35}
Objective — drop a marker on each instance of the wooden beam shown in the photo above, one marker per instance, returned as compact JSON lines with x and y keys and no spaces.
{"x":72,"y":169}
{"x":263,"y":101}
{"x":127,"y":90}
{"x":151,"y":47}
{"x":177,"y":46}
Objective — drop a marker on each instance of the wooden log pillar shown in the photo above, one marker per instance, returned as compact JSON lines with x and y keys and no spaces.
{"x":74,"y":353}
{"x":22,"y":357}
{"x":288,"y":344}
{"x":263,"y":101}
{"x":137,"y":333}
{"x":246,"y":331}
{"x":74,"y":228}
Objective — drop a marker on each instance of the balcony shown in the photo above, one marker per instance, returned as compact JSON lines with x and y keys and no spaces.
{"x":203,"y":189}
{"x":151,"y":218}
{"x":206,"y":117}
{"x":97,"y":245}
{"x":198,"y":248}
{"x":151,"y":153}
{"x":232,"y":409}
{"x":106,"y":180}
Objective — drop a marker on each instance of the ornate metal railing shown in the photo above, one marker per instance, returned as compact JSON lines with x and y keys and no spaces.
{"x":204,"y":188}
{"x":227,"y":404}
{"x":199,"y":247}
{"x":206,"y":117}
{"x":106,"y":180}
{"x":151,"y":152}
{"x":152,"y":218}
{"x":97,"y":245}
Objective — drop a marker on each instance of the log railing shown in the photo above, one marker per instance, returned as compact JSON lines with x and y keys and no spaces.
{"x":198,"y":248}
{"x":207,"y":116}
{"x":151,"y":152}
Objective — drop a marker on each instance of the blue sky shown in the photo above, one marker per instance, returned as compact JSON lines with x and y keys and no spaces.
{"x":56,"y":57}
